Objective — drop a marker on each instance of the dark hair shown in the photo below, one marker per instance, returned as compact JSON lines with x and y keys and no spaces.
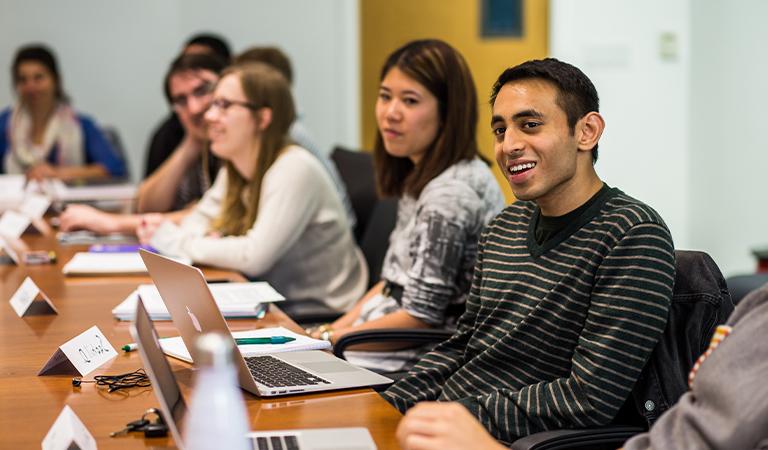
{"x":576,"y":95}
{"x":271,"y":56}
{"x":443,"y":72}
{"x":216,"y":43}
{"x":40,"y":54}
{"x":191,"y":62}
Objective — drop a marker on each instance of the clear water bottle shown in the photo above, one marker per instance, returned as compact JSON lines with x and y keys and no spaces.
{"x":217,"y":417}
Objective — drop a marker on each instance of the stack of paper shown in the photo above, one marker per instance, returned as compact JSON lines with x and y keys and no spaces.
{"x":175,"y":346}
{"x":84,"y":263}
{"x":89,"y":237}
{"x":87,"y":263}
{"x":62,"y":192}
{"x":233,"y":299}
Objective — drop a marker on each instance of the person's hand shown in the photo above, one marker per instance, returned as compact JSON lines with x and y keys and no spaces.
{"x":443,"y":426}
{"x":149,"y":224}
{"x":191,"y":147}
{"x":41,"y":171}
{"x":83,"y":217}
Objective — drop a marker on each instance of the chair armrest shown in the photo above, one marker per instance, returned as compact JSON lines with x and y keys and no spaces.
{"x":412,"y":336}
{"x":612,"y":436}
{"x":309,"y":311}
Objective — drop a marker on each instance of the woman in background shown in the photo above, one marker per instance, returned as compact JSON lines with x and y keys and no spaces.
{"x":42,"y":136}
{"x":272,"y":212}
{"x":426,"y":154}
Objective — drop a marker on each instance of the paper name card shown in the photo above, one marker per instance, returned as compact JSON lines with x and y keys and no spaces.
{"x":81,"y":355}
{"x":13,"y":224}
{"x":29,"y":300}
{"x":34,"y":205}
{"x":68,"y":432}
{"x":7,"y":247}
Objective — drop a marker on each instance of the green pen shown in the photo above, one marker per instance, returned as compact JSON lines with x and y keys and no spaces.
{"x":264,"y":340}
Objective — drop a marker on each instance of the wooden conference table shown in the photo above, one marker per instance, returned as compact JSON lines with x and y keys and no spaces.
{"x":29,"y":404}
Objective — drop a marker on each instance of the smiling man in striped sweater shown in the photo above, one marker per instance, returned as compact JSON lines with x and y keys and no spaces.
{"x":573,"y":281}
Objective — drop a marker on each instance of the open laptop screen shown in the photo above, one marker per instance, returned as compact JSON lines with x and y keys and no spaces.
{"x":159,"y":370}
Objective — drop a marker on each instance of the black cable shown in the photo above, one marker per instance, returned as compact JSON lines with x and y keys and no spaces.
{"x":137,"y":378}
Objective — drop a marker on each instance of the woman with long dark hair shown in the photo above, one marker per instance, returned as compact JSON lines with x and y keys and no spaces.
{"x":426,"y":155}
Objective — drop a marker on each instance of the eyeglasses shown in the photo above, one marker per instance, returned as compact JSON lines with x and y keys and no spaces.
{"x":181,"y":101}
{"x":224,"y":104}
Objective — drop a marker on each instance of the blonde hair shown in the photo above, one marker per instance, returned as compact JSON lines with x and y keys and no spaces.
{"x":264,"y":87}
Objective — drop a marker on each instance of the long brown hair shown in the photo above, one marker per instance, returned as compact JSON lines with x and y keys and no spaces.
{"x":264,"y":87}
{"x":442,"y":71}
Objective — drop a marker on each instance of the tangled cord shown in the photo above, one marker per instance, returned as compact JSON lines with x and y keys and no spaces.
{"x":137,"y":378}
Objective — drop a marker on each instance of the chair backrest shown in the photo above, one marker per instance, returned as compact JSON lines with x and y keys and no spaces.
{"x":356,"y":170}
{"x":113,"y":137}
{"x":375,"y":239}
{"x":700,"y":302}
{"x":741,"y":285}
{"x":375,"y":217}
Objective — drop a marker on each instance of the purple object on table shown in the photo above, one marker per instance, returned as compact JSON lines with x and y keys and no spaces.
{"x":119,"y":248}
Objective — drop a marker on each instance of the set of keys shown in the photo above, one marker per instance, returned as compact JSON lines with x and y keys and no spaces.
{"x":151,"y":429}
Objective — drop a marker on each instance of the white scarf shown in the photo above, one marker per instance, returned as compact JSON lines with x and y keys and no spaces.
{"x":63,"y":132}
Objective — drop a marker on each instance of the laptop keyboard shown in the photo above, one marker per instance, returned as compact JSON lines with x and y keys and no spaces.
{"x":287,"y":442}
{"x":273,"y":372}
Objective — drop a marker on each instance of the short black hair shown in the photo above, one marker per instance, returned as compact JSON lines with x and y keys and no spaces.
{"x":43,"y":55}
{"x":576,"y":95}
{"x":216,"y":43}
{"x":198,"y":61}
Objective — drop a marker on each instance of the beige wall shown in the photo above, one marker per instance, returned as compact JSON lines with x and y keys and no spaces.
{"x":388,"y":24}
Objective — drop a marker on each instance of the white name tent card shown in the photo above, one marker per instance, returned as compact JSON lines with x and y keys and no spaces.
{"x":13,"y":224}
{"x":7,"y":246}
{"x":34,"y":205}
{"x":29,"y":300}
{"x":12,"y":188}
{"x":68,"y":433}
{"x":80,"y":355}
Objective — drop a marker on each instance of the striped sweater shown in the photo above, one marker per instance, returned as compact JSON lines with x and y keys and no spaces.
{"x":554,"y":336}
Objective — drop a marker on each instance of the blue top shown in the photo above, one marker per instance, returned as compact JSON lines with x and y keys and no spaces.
{"x":98,"y":149}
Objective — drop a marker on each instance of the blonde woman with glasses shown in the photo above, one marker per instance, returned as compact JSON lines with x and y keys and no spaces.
{"x":272,"y":212}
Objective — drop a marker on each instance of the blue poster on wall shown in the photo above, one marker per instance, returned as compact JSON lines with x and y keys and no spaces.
{"x":501,"y":18}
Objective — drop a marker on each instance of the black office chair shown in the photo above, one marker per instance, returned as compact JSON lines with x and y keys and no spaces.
{"x":741,"y":285}
{"x":356,"y":171}
{"x":700,"y":294}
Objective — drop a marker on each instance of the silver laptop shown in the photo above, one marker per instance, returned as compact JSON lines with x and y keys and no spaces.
{"x":174,"y":408}
{"x":193,"y":311}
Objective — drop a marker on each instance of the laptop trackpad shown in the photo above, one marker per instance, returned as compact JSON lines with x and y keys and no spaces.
{"x":329,"y":367}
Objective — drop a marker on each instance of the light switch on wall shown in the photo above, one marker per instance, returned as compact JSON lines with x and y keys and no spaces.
{"x":668,"y":46}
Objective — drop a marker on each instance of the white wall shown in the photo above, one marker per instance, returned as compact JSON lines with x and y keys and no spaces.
{"x":643,"y":97}
{"x":685,"y":135}
{"x":729,"y":113}
{"x":113,"y":55}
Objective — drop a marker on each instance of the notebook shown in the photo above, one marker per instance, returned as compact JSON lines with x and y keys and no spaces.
{"x":194,"y":311}
{"x":175,"y":347}
{"x":174,"y":408}
{"x":86,"y":263}
{"x":233,"y":299}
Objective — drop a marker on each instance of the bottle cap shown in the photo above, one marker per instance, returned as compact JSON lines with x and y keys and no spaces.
{"x":213,"y":349}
